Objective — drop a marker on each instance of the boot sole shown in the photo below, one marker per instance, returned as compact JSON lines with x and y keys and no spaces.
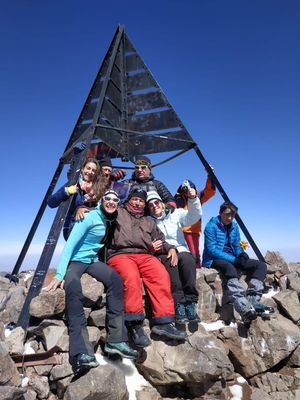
{"x":84,"y":368}
{"x":115,"y":351}
{"x":159,"y":332}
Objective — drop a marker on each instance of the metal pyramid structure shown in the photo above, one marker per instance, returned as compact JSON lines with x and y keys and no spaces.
{"x":125,"y":114}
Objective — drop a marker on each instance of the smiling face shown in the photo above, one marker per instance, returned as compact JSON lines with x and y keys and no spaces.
{"x":137,"y":203}
{"x":110,"y":203}
{"x":89,"y":171}
{"x":227,"y":216}
{"x":156,"y":207}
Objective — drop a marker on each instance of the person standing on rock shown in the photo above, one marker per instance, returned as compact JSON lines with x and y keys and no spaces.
{"x":80,"y":255}
{"x":223,"y":252}
{"x":132,"y":250}
{"x":142,"y":178}
{"x":192,"y":232}
{"x":182,"y":274}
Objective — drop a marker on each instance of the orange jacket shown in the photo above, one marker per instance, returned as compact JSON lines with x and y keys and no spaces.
{"x":204,"y":195}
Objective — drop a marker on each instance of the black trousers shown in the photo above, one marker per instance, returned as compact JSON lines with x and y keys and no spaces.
{"x":253,"y":269}
{"x":183,"y":278}
{"x":78,"y":334}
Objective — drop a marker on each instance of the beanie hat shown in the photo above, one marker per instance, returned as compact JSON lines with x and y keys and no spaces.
{"x":105,"y":162}
{"x":136,"y":192}
{"x":153,"y":195}
{"x":142,"y":160}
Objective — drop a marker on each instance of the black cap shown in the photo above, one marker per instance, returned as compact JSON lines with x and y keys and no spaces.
{"x":105,"y":162}
{"x":136,"y":192}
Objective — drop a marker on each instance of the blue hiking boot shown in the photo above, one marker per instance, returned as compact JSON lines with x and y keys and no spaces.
{"x":83,"y":363}
{"x":263,"y":309}
{"x":191,"y":312}
{"x":138,"y":335}
{"x":121,"y":348}
{"x":180,"y":315}
{"x":169,"y":331}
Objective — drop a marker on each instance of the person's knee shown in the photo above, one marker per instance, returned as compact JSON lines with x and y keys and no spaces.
{"x":72,"y":286}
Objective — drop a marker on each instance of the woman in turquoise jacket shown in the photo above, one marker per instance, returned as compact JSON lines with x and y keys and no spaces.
{"x":80,"y":255}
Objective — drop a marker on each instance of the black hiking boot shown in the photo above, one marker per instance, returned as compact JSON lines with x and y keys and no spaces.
{"x":191,"y":312}
{"x":180,"y":315}
{"x":169,"y":331}
{"x":83,"y":363}
{"x":138,"y":335}
{"x":248,"y":316}
{"x":263,"y":310}
{"x":121,"y":348}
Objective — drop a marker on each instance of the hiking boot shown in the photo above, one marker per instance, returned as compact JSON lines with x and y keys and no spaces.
{"x":83,"y":363}
{"x":122,"y":349}
{"x":261,"y":308}
{"x":248,"y":315}
{"x":180,"y":315}
{"x":138,"y":335}
{"x":169,"y":330}
{"x":191,"y":312}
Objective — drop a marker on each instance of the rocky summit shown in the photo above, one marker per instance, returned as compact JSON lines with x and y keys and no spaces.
{"x":221,"y":359}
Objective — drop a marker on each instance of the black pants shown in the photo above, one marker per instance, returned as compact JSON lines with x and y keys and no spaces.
{"x":253,"y":269}
{"x":183,"y":278}
{"x":78,"y":334}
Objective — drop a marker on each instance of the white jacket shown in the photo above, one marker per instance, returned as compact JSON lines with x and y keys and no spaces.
{"x":171,"y":224}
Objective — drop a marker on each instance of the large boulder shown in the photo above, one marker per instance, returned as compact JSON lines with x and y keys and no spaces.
{"x":289,"y":304}
{"x":207,"y":300}
{"x":48,"y":304}
{"x":9,"y":374}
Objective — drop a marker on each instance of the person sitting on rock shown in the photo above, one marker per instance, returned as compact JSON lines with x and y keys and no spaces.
{"x":135,"y":242}
{"x":80,"y":255}
{"x":143,"y":178}
{"x":183,"y":271}
{"x":223,"y":252}
{"x":192,"y":232}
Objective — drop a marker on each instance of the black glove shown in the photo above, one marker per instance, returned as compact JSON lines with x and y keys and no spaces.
{"x":241,"y":260}
{"x":80,"y":146}
{"x":170,"y":208}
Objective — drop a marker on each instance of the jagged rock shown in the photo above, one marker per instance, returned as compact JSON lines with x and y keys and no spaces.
{"x":92,"y":290}
{"x":63,"y":370}
{"x":295,"y":358}
{"x":97,"y":317}
{"x":11,"y":393}
{"x":9,"y":373}
{"x":210,"y":274}
{"x":2,"y":331}
{"x":275,"y":262}
{"x":202,"y":358}
{"x":259,"y":394}
{"x":12,"y":305}
{"x":207,"y":300}
{"x":148,"y":393}
{"x":38,"y":330}
{"x":94,"y":335}
{"x":293,"y":282}
{"x":238,"y":388}
{"x":56,"y":336}
{"x":5,"y":283}
{"x":103,"y":382}
{"x":15,"y":341}
{"x":43,"y":370}
{"x":288,"y":302}
{"x":295,"y":267}
{"x":61,"y":386}
{"x":47,"y":304}
{"x":267,"y":343}
{"x":30,"y":395}
{"x":40,"y":385}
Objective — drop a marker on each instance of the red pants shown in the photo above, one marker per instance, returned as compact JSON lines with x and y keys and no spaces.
{"x":133,"y":268}
{"x":193,"y":242}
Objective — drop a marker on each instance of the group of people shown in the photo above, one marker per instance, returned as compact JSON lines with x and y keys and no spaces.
{"x":148,"y":239}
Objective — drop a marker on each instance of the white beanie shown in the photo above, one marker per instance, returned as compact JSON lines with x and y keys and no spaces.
{"x":153,"y":195}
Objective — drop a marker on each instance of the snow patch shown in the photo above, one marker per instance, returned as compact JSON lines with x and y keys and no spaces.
{"x":28,"y":349}
{"x":134,"y":381}
{"x":236,"y":391}
{"x":25,"y":381}
{"x":213,"y":326}
{"x":240,"y":379}
{"x":270,"y":294}
{"x":7,"y":332}
{"x":290,"y":343}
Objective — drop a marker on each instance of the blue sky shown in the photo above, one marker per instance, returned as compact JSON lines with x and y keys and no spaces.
{"x":229,"y":68}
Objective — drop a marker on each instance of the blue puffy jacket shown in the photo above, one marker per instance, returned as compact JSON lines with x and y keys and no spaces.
{"x":215,"y":239}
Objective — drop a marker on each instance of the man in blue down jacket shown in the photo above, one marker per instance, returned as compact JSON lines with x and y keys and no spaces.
{"x":223,"y":251}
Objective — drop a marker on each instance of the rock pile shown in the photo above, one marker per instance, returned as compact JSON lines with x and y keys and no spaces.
{"x":220,"y":360}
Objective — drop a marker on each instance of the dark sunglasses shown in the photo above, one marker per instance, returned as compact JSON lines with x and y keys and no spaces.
{"x":114,"y":199}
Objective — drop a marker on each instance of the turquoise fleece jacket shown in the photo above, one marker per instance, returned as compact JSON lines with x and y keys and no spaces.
{"x":215,"y":239}
{"x":83,"y":243}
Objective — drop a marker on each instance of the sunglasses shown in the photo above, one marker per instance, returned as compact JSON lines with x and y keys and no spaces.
{"x":114,"y":199}
{"x":142,"y":167}
{"x":154,"y":203}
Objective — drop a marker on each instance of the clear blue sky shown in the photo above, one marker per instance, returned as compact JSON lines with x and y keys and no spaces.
{"x":229,"y":68}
